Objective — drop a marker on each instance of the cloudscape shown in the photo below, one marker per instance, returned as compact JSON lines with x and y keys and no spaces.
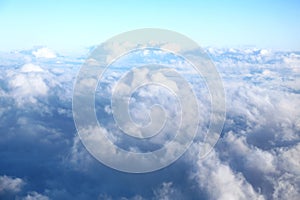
{"x":43,"y":157}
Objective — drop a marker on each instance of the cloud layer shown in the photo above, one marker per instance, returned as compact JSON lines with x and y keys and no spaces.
{"x":257,"y":157}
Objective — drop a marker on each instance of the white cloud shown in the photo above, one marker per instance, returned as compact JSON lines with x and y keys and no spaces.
{"x":258,"y":154}
{"x":167,"y":192}
{"x":31,"y":68}
{"x":293,"y":61}
{"x":35,"y":196}
{"x":262,"y":127}
{"x":286,"y":188}
{"x":11,"y":185}
{"x":172,"y":47}
{"x":25,"y":88}
{"x":79,"y":158}
{"x":254,"y":158}
{"x":44,"y":53}
{"x":30,"y":82}
{"x":221,"y":182}
{"x":289,"y":160}
{"x":264,"y":52}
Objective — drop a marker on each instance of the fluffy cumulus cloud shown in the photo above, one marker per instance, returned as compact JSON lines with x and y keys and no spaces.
{"x":31,"y":68}
{"x":35,"y":196}
{"x":13,"y":188}
{"x":221,"y":182}
{"x":44,"y":53}
{"x":257,"y":156}
{"x":9,"y":184}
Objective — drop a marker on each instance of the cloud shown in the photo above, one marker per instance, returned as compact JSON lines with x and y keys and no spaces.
{"x":25,"y":88}
{"x":167,"y":192}
{"x":10,"y":185}
{"x":35,"y":196}
{"x":14,"y":188}
{"x":286,"y":187}
{"x":44,"y":53}
{"x":31,"y":68}
{"x":221,"y":182}
{"x":256,"y":158}
{"x":293,"y":61}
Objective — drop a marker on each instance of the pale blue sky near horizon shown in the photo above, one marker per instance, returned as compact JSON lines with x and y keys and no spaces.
{"x":67,"y":25}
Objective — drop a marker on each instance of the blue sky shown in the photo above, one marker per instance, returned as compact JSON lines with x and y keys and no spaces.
{"x":42,"y":155}
{"x":75,"y":24}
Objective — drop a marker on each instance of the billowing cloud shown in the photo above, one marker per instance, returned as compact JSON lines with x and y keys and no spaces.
{"x":10,"y":184}
{"x":35,"y":196}
{"x":31,"y":68}
{"x":257,"y":157}
{"x":221,"y":182}
{"x":44,"y":53}
{"x":26,"y":87}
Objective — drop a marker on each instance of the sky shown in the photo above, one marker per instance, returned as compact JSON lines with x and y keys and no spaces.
{"x":70,"y":25}
{"x":42,"y":153}
{"x":42,"y":156}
